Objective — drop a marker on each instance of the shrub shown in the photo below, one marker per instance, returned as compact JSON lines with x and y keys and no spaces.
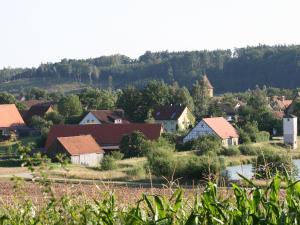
{"x":161,"y":161}
{"x":117,"y":155}
{"x":248,"y":150}
{"x":268,"y":163}
{"x":230,"y":151}
{"x":108,"y":163}
{"x":262,"y":136}
{"x":39,"y":122}
{"x":198,"y":167}
{"x":54,"y":117}
{"x":208,"y":144}
{"x":131,"y":145}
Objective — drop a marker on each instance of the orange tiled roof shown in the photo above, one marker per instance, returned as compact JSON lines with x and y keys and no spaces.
{"x":77,"y":145}
{"x":221,"y":127}
{"x":10,"y":116}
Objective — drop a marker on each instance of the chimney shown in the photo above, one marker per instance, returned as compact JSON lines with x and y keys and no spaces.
{"x":120,"y":113}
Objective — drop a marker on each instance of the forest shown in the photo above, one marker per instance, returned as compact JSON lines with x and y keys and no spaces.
{"x":228,"y":70}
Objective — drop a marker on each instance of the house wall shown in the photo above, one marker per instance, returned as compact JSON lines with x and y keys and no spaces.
{"x":91,"y":159}
{"x":199,"y":130}
{"x":89,"y":119}
{"x":230,"y":142}
{"x":290,"y":131}
{"x":185,"y":120}
{"x":182,"y":123}
{"x":210,"y":92}
{"x":169,"y":125}
{"x":202,"y":129}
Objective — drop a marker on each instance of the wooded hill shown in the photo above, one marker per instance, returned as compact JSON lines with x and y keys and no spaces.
{"x":228,"y":71}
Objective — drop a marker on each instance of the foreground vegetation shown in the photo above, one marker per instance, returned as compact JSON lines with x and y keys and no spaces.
{"x":251,"y":205}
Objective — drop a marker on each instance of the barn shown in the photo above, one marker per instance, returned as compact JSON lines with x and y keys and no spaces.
{"x":82,"y":150}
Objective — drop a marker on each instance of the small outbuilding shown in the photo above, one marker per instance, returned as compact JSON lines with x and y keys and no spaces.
{"x":217,"y":126}
{"x":83,"y":150}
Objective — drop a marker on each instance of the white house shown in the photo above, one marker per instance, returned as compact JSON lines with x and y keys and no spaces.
{"x":104,"y":117}
{"x":174,"y":117}
{"x":217,"y":126}
{"x":290,"y":130}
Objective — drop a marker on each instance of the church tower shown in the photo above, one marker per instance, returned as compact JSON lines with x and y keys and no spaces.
{"x":210,"y":88}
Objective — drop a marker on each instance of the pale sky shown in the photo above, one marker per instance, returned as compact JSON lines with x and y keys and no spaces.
{"x":36,"y":31}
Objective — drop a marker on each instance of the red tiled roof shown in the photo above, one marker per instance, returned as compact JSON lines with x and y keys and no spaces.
{"x":104,"y":134}
{"x":106,"y":116}
{"x":77,"y":145}
{"x":221,"y":127}
{"x":10,"y":116}
{"x":170,"y":112}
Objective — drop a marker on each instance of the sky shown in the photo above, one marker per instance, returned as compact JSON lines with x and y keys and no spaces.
{"x":41,"y":31}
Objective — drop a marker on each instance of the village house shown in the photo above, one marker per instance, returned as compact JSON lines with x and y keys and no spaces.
{"x":40,"y":109}
{"x":174,"y":117}
{"x":217,"y":126}
{"x":280,"y":103}
{"x":82,"y":150}
{"x":108,"y":136}
{"x":104,"y":117}
{"x":10,"y":119}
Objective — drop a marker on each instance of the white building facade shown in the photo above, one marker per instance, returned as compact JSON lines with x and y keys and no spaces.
{"x":290,"y":131}
{"x":89,"y":119}
{"x":90,"y":159}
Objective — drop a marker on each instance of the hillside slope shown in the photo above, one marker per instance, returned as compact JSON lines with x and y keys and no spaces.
{"x":277,"y":66}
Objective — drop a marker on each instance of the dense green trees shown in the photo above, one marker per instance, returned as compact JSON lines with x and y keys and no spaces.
{"x":70,"y":106}
{"x":244,"y":68}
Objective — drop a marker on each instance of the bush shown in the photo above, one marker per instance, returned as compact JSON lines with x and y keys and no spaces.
{"x":208,"y":144}
{"x":262,"y":136}
{"x":131,"y":145}
{"x":54,"y":117}
{"x":268,"y":163}
{"x":198,"y":167}
{"x":108,"y":163}
{"x":230,"y":151}
{"x":161,"y":161}
{"x":248,"y":150}
{"x":117,"y":155}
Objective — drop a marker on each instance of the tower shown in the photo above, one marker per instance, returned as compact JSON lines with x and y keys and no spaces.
{"x":210,"y":88}
{"x":290,"y":130}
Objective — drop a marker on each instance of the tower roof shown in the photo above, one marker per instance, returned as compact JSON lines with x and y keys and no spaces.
{"x":207,"y":82}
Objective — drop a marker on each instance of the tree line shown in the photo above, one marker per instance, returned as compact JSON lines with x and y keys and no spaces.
{"x":238,"y":70}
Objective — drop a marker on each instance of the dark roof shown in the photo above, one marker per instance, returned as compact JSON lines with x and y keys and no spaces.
{"x":108,"y":116}
{"x":104,"y":134}
{"x":227,"y":108}
{"x":290,"y":116}
{"x":77,"y":145}
{"x":37,"y":110}
{"x":32,"y":102}
{"x":170,"y":112}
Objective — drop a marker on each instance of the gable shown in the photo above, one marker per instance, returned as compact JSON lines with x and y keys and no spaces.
{"x":199,"y":130}
{"x":90,"y":119}
{"x":10,"y":116}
